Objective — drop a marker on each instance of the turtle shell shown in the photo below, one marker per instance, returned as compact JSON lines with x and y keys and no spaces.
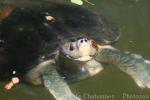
{"x":27,"y":37}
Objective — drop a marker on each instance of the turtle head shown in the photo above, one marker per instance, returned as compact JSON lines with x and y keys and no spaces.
{"x":81,"y":49}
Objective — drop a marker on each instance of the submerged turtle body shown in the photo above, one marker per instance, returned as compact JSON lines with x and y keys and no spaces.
{"x":29,"y":41}
{"x":27,"y":38}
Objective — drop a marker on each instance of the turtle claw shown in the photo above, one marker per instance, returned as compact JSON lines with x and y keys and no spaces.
{"x":139,"y":83}
{"x":142,"y":85}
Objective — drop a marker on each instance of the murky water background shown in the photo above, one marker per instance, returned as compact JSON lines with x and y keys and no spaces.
{"x":133,"y":19}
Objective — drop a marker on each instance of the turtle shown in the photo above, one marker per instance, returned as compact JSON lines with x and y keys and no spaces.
{"x":32,"y":40}
{"x":81,"y":59}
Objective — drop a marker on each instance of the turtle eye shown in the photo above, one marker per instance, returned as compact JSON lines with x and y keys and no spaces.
{"x":81,"y":41}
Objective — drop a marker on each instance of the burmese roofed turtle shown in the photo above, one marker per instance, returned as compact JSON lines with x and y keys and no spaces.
{"x":82,"y":59}
{"x":32,"y":45}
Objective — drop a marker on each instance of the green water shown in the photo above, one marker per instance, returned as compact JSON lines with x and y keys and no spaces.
{"x":133,"y":19}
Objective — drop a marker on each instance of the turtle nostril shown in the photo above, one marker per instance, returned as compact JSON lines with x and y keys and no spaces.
{"x":71,"y":48}
{"x":85,"y":40}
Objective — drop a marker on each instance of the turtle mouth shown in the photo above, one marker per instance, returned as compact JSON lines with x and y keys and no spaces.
{"x":81,"y":58}
{"x":74,"y":47}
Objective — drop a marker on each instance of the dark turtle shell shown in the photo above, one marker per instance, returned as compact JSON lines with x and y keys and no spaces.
{"x":27,"y":38}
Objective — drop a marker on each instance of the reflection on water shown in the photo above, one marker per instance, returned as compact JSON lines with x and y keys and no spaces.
{"x":133,"y":19}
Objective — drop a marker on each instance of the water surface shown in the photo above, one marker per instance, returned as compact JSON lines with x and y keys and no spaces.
{"x":133,"y":20}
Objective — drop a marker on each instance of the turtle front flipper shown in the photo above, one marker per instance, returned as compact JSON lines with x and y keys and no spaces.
{"x":132,"y":64}
{"x":47,"y":74}
{"x":57,"y":86}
